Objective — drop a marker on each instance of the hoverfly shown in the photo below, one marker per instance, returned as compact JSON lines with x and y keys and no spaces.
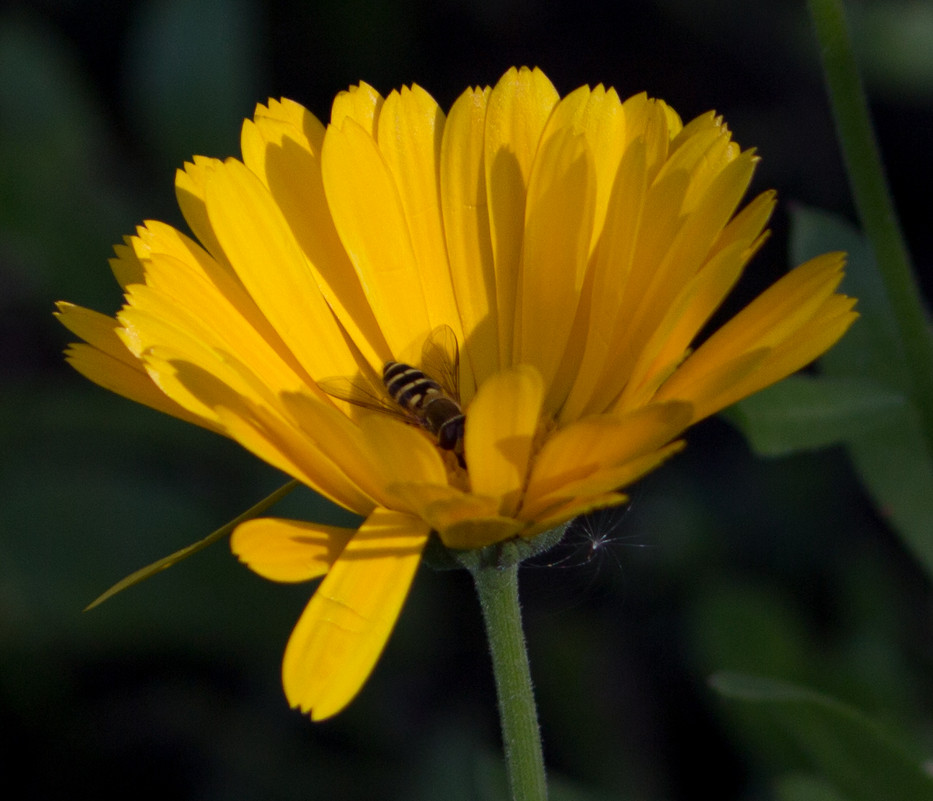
{"x":428,"y":396}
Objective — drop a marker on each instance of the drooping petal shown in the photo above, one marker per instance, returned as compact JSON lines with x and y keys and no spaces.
{"x":344,"y":628}
{"x":288,"y":550}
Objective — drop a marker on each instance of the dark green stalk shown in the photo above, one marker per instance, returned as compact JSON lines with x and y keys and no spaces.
{"x":873,"y":202}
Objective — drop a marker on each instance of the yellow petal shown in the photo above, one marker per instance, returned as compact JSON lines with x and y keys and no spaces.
{"x":130,"y":382}
{"x":409,"y":136}
{"x":686,"y":315}
{"x":478,"y":532}
{"x":288,"y":550}
{"x":603,"y":368}
{"x":344,"y":628}
{"x":600,"y":442}
{"x":341,"y":441}
{"x":802,"y":297}
{"x":518,"y":109}
{"x":125,"y":266}
{"x":558,"y":227}
{"x":158,"y":331}
{"x":396,"y":449}
{"x":106,"y":361}
{"x":806,"y":344}
{"x":96,"y":329}
{"x":278,"y":442}
{"x":370,"y":220}
{"x":190,"y":186}
{"x":360,"y":103}
{"x":283,"y":147}
{"x":599,"y":116}
{"x":466,"y":226}
{"x":462,"y":520}
{"x":180,"y":295}
{"x":597,"y":484}
{"x":262,"y":249}
{"x":569,"y":510}
{"x":501,"y":423}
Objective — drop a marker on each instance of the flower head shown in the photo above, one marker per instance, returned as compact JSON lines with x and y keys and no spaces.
{"x":569,"y":250}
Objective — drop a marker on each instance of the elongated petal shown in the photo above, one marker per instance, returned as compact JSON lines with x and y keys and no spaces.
{"x":558,"y":227}
{"x":288,"y":550}
{"x":370,"y":220}
{"x":283,"y":147}
{"x":344,"y":628}
{"x":254,"y":235}
{"x":788,"y":325}
{"x":466,"y":226}
{"x":518,"y":109}
{"x":411,"y":125}
{"x":284,"y":446}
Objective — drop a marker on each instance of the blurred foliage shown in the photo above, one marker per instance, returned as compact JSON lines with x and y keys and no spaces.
{"x":861,"y":398}
{"x":783,"y":567}
{"x":863,"y":760}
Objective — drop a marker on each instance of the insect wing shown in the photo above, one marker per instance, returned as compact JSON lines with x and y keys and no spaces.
{"x":361,"y":392}
{"x":440,"y":359}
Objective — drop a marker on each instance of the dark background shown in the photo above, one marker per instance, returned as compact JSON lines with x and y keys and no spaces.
{"x":723,"y":560}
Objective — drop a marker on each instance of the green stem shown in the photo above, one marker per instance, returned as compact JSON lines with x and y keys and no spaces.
{"x":873,"y":201}
{"x":497,"y":587}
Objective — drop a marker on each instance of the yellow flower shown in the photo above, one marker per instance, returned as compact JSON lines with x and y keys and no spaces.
{"x":575,"y":247}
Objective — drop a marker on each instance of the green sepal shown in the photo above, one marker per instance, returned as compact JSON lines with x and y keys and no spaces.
{"x":173,"y":559}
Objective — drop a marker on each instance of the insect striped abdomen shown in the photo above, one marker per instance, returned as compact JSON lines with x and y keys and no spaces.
{"x":423,"y":397}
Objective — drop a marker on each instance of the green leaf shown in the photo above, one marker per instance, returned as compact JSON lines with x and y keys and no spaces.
{"x":797,"y":787}
{"x":806,"y":412}
{"x":861,"y":399}
{"x":173,"y":559}
{"x":891,"y":457}
{"x":860,"y":758}
{"x":870,"y":349}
